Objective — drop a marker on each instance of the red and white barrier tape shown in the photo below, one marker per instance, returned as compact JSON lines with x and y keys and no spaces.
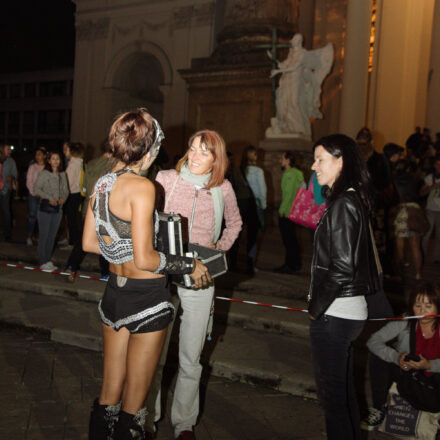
{"x":222,"y":298}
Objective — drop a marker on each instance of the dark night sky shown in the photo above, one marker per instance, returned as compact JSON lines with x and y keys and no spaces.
{"x":36,"y":34}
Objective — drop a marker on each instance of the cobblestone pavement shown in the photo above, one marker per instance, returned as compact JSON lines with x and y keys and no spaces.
{"x":47,"y":389}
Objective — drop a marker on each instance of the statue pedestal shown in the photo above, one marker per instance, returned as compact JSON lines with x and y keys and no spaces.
{"x":273,"y":147}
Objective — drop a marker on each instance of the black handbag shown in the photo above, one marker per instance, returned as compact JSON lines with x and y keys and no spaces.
{"x":46,"y":207}
{"x":421,"y":391}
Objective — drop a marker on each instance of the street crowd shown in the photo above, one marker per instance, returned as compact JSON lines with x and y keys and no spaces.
{"x":379,"y":216}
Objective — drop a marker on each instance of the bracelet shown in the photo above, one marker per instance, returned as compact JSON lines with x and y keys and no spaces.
{"x":162,"y":263}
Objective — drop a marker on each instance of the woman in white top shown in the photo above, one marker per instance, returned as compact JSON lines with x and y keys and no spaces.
{"x":343,"y":271}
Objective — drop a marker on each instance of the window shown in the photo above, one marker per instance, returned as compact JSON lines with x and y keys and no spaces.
{"x":28,"y":122}
{"x":53,"y":88}
{"x":3,"y":91}
{"x":13,"y":122}
{"x":2,"y":122}
{"x":30,"y":90}
{"x":51,"y":121}
{"x":15,"y":91}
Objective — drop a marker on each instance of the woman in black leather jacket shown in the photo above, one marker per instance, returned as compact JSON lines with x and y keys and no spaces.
{"x":344,"y":270}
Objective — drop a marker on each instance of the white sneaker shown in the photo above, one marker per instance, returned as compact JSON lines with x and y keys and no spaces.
{"x":52,"y":266}
{"x":46,"y":266}
{"x":29,"y":242}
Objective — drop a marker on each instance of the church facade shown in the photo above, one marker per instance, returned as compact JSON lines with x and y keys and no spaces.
{"x":196,"y":64}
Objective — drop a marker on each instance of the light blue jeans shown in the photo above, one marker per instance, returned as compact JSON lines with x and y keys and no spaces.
{"x":196,"y":306}
{"x":48,"y":225}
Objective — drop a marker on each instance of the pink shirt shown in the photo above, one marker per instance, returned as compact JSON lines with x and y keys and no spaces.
{"x":32,"y":175}
{"x":181,"y":202}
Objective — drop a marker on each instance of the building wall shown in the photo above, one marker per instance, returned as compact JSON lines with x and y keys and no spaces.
{"x":35,"y":109}
{"x":400,"y":82}
{"x":111,"y":34}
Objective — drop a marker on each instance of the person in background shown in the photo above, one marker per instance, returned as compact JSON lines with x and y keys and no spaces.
{"x":248,"y":212}
{"x":344,"y":271}
{"x":31,"y":176}
{"x":432,"y":187}
{"x":9,"y":175}
{"x":52,"y":188}
{"x":407,"y":192}
{"x":74,"y":153}
{"x":255,"y":178}
{"x":381,"y":179}
{"x":93,"y":170}
{"x":386,"y":362}
{"x":136,"y":307}
{"x":291,"y":181}
{"x":197,"y":185}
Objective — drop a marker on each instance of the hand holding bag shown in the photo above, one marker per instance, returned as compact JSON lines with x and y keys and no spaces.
{"x":421,"y":391}
{"x":46,"y":207}
{"x":304,"y":210}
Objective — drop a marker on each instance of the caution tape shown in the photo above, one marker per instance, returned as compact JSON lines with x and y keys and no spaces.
{"x":221,"y":298}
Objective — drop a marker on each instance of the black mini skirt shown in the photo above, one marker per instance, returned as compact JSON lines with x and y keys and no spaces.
{"x":139,"y":305}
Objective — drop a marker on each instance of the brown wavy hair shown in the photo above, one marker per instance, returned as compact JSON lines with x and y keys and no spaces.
{"x":214,"y":143}
{"x":131,"y":136}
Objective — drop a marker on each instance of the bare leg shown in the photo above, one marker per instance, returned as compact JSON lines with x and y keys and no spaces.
{"x":142,"y":357}
{"x":416,"y":254}
{"x":115,"y":344}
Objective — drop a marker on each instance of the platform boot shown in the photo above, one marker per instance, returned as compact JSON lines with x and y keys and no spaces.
{"x":102,"y":420}
{"x":130,"y":427}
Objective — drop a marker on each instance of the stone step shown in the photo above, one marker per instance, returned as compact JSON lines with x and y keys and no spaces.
{"x":264,"y":282}
{"x":245,"y":316}
{"x":279,"y":361}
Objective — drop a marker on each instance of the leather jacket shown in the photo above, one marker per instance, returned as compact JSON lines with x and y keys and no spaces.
{"x":343,"y":263}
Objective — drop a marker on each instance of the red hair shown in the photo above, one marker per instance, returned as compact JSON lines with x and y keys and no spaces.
{"x":214,"y":143}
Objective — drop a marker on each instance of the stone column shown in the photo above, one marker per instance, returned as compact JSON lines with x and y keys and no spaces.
{"x":355,"y":73}
{"x":433,"y":98}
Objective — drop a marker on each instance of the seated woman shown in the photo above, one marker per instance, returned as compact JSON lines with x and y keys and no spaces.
{"x":386,"y":361}
{"x":136,"y":307}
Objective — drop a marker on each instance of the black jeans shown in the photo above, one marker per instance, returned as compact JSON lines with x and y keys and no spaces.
{"x":71,"y":210}
{"x":332,"y":353}
{"x":382,"y":375}
{"x":248,"y":213}
{"x":5,"y":206}
{"x":288,"y":235}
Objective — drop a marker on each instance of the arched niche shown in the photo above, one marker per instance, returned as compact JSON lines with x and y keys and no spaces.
{"x":137,"y":78}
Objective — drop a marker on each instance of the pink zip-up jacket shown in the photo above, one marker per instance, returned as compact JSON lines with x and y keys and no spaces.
{"x":181,"y":202}
{"x":32,"y":175}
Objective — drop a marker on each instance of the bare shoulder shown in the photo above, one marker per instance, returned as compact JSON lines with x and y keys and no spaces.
{"x":138,"y":186}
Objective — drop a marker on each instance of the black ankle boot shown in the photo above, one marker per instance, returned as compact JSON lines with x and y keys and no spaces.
{"x":102,"y":421}
{"x":129,"y":426}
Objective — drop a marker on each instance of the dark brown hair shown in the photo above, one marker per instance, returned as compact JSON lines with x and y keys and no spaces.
{"x":131,"y":136}
{"x":48,"y":166}
{"x":76,"y":149}
{"x":431,"y":290}
{"x":216,"y":145}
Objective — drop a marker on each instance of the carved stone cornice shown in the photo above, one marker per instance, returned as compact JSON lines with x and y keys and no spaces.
{"x":92,"y":29}
{"x":229,"y":76}
{"x":197,"y":14}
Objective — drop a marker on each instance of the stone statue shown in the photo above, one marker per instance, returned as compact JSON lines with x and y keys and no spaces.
{"x":299,"y":90}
